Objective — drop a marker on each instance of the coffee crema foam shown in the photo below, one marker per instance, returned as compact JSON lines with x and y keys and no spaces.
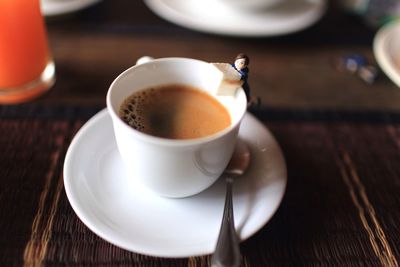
{"x":131,"y":110}
{"x":174,"y":111}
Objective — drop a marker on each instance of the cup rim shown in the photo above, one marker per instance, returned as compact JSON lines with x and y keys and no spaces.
{"x":160,"y":140}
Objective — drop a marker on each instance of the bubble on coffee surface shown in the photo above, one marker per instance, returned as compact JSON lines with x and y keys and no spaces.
{"x":131,"y":110}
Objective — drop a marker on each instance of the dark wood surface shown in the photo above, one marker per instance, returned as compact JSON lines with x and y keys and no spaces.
{"x":340,"y":138}
{"x":295,"y":71}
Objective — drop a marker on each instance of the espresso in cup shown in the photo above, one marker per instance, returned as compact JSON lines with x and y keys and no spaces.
{"x":174,"y":111}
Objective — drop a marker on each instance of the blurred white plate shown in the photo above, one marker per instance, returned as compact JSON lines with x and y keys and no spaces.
{"x":61,"y":7}
{"x":126,"y":214}
{"x":387,"y":50}
{"x":213,"y":17}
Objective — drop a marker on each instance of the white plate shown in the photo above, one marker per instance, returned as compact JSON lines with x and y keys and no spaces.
{"x":127,"y":215}
{"x":387,"y":50}
{"x":214,"y":17}
{"x":60,"y":7}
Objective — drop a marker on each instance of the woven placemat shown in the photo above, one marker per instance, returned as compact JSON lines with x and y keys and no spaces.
{"x":341,"y":208}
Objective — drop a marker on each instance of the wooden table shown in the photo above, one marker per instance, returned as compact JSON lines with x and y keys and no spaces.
{"x":340,"y":137}
{"x":295,"y":71}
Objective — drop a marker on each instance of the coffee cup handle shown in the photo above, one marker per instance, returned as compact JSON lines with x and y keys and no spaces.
{"x":144,"y":59}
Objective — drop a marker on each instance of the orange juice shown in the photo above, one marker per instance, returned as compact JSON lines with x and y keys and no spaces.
{"x":24,"y":52}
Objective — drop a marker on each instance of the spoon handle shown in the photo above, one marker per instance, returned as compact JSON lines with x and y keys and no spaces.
{"x":227,"y":252}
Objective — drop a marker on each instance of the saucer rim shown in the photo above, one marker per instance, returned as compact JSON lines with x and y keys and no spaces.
{"x":175,"y":16}
{"x":382,"y":42}
{"x":129,"y":246}
{"x":52,"y":8}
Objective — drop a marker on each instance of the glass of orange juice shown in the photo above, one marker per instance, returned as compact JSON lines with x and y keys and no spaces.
{"x":26,"y":67}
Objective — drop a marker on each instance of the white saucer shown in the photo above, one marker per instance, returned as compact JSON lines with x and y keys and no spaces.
{"x":387,"y":50}
{"x":129,"y":216}
{"x":213,"y":17}
{"x":61,"y":7}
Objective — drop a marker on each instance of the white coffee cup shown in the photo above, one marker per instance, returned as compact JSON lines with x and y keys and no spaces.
{"x":170,"y":167}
